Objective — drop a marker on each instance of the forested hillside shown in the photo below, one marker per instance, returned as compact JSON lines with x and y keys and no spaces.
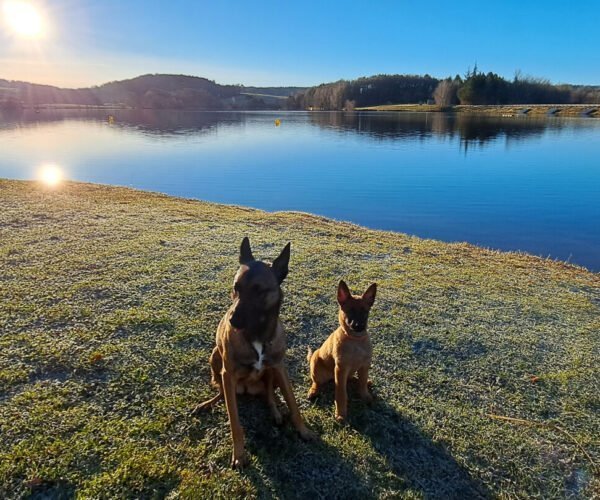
{"x":148,"y":91}
{"x":473,"y":88}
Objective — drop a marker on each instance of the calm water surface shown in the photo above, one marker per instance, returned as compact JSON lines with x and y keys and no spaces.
{"x":521,"y":183}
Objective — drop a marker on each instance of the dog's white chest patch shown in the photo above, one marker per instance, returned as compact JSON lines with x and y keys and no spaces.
{"x":259,"y":348}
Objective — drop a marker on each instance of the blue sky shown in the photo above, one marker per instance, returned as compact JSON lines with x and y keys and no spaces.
{"x":304,"y":43}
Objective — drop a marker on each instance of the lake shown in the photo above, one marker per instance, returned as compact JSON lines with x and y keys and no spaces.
{"x":510,"y":183}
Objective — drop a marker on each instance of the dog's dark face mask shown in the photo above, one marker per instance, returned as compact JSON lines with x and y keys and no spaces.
{"x":354,"y":310}
{"x":256,"y":293}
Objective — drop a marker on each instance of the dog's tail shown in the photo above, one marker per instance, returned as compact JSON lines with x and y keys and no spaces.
{"x":309,"y":354}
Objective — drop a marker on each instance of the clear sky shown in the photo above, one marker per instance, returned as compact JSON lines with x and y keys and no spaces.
{"x":87,"y":42}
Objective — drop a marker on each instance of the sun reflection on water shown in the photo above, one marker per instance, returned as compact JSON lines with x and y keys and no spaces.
{"x":50,"y":174}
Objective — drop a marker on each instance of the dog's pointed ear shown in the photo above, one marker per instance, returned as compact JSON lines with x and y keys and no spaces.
{"x":369,"y":295}
{"x":343,"y":293}
{"x":246,"y":252}
{"x":281,"y":263}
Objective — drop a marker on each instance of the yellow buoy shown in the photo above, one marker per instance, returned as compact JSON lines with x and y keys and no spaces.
{"x":111,"y":119}
{"x":277,"y":122}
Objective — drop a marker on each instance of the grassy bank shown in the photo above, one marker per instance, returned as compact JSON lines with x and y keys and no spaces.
{"x":109,"y":301}
{"x":591,"y":110}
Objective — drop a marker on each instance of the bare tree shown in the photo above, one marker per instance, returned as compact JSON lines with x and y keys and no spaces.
{"x":444,"y":93}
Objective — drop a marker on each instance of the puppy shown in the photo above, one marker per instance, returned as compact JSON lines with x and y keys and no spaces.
{"x":347,"y":350}
{"x":250,"y":350}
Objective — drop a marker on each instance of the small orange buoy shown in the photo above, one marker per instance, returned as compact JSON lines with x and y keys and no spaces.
{"x":277,"y":122}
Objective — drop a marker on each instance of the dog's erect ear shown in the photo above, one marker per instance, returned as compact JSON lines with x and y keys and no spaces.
{"x":246,"y":252}
{"x":343,"y":293}
{"x":280,"y":264}
{"x":369,"y":295}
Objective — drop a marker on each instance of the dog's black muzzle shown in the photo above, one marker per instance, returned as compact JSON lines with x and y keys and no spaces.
{"x":357,"y":326}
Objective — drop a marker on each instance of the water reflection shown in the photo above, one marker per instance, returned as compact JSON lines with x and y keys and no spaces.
{"x":470,"y":130}
{"x":146,"y":121}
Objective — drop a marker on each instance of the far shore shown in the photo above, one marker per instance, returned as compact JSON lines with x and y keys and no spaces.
{"x":503,"y":110}
{"x":557,"y":110}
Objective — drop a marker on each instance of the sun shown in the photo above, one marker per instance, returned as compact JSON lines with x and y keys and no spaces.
{"x":23,"y":18}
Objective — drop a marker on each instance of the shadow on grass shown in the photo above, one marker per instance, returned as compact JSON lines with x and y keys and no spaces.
{"x":283,"y":466}
{"x":422,"y":465}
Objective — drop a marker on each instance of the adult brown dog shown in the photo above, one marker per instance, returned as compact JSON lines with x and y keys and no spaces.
{"x":347,"y":350}
{"x":248,"y":357}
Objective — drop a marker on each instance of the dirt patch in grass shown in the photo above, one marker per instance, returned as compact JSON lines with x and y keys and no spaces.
{"x":109,"y":300}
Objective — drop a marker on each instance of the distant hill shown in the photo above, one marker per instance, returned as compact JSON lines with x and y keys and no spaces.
{"x":18,"y":94}
{"x":149,"y":91}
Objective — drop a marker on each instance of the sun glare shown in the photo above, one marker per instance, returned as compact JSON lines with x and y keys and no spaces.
{"x":51,"y":175}
{"x":23,"y":18}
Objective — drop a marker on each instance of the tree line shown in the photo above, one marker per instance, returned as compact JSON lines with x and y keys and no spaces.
{"x":474,"y":87}
{"x":188,"y":92}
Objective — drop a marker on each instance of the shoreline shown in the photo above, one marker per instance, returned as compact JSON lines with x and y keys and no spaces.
{"x":503,"y":110}
{"x":316,"y":217}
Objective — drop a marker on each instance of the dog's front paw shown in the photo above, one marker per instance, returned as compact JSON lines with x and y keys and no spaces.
{"x":307,"y":435}
{"x":239,"y":460}
{"x":367,"y":397}
{"x":341,"y":419}
{"x":312,"y":394}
